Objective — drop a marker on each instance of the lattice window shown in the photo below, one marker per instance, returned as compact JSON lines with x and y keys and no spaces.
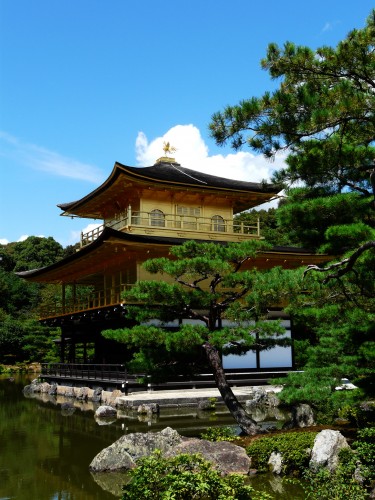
{"x":157,"y":218}
{"x":192,"y":211}
{"x":218,"y":223}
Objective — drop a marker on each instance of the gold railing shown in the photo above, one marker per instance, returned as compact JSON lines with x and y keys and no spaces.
{"x":94,"y":300}
{"x":187,"y":223}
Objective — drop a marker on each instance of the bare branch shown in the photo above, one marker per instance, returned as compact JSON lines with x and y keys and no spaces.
{"x":344,"y":266}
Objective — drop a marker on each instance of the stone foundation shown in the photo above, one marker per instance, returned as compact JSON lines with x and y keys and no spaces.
{"x":83,"y":394}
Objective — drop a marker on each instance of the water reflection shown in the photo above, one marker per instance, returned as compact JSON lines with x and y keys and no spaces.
{"x":45,"y":455}
{"x":47,"y":442}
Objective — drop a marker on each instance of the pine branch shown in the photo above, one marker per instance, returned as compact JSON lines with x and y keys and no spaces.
{"x":344,"y":266}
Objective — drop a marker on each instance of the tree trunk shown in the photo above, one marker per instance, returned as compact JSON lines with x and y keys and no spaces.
{"x":247,"y":424}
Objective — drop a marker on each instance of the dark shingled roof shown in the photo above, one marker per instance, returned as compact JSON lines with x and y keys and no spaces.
{"x":174,"y":174}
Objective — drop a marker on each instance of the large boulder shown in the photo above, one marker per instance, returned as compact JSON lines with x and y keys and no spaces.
{"x":32,"y":388}
{"x":227,"y":457}
{"x":302,"y":416}
{"x":149,"y":409}
{"x":83,"y":393}
{"x":109,"y":397}
{"x":124,"y":452}
{"x":261,"y":397}
{"x":97,"y":395}
{"x":105,"y":411}
{"x":326,"y":449}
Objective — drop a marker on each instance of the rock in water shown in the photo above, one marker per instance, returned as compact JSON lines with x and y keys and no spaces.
{"x":124,"y":452}
{"x":105,"y":411}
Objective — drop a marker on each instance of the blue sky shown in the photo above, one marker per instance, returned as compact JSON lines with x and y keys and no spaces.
{"x":85,"y":83}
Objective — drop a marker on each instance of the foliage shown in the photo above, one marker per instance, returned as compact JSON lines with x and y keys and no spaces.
{"x":322,"y":115}
{"x":269,"y":225}
{"x":293,"y":446}
{"x":22,"y":338}
{"x":323,"y":108}
{"x":339,"y":346}
{"x":307,"y":217}
{"x":34,"y":252}
{"x":354,"y":476}
{"x":17,"y":297}
{"x":364,"y":447}
{"x":26,"y":341}
{"x":228,"y":292}
{"x":206,"y":283}
{"x":321,"y":485}
{"x":184,"y":477}
{"x":219,"y":434}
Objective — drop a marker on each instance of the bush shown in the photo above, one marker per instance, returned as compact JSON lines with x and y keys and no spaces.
{"x":219,"y":434}
{"x":294,"y":448}
{"x":339,"y":486}
{"x":182,"y":478}
{"x":355,"y":474}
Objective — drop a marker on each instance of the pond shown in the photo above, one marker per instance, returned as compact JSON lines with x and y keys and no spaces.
{"x":45,"y":453}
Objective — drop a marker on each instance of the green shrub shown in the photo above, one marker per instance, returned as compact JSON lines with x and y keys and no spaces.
{"x":343,"y":484}
{"x":293,"y":446}
{"x":322,"y":485}
{"x":219,"y":434}
{"x":182,"y":478}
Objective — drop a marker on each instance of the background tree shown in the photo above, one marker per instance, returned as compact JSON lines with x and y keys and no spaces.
{"x":22,"y":338}
{"x":324,"y":105}
{"x":34,"y":252}
{"x":209,"y":283}
{"x":322,"y":114}
{"x":269,"y":225}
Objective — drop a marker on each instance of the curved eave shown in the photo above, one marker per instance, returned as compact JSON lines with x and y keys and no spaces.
{"x":94,"y":257}
{"x":174,"y":176}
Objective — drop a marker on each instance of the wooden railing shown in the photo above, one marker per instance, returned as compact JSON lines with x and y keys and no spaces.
{"x":94,"y":300}
{"x":81,"y":371}
{"x":117,"y":375}
{"x":172,"y":222}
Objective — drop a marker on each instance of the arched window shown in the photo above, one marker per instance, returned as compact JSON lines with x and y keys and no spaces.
{"x":157,"y":218}
{"x":218,"y":223}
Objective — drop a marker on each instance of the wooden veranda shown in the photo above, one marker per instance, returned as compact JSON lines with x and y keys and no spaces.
{"x":116,"y":376}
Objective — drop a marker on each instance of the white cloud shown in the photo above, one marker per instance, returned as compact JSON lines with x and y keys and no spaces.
{"x":40,"y":158}
{"x":193,"y":153}
{"x":327,"y":27}
{"x":24,"y":237}
{"x":330,"y":25}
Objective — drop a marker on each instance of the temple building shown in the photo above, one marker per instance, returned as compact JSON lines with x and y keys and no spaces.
{"x":143,"y":212}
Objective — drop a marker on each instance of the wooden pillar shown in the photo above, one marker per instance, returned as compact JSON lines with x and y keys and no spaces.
{"x":85,"y":351}
{"x":113,"y":289}
{"x":62,"y":348}
{"x":63,"y":297}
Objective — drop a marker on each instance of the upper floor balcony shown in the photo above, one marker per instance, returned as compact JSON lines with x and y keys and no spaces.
{"x":189,"y":226}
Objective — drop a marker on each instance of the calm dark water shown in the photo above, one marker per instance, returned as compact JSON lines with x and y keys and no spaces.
{"x":45,"y":455}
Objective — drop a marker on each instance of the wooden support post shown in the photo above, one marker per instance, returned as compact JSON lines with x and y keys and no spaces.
{"x":63,"y":297}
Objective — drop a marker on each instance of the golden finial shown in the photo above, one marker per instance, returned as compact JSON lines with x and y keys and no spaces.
{"x":168,"y":149}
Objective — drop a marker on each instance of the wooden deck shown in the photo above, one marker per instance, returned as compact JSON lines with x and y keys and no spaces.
{"x":113,"y":376}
